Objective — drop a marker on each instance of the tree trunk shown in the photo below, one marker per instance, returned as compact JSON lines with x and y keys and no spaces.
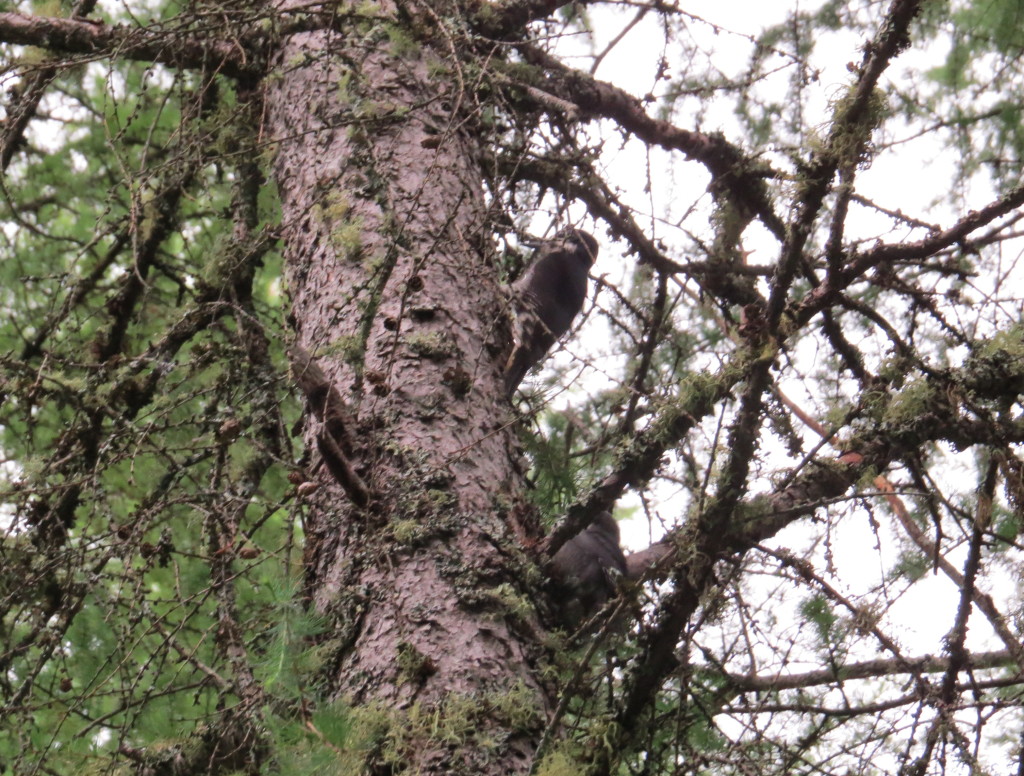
{"x":395,"y":294}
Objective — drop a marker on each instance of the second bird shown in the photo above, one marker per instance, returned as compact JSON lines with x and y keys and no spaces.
{"x":585,"y":569}
{"x":547,"y":298}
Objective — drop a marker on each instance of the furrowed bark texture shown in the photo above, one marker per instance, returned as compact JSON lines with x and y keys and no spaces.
{"x":395,"y":296}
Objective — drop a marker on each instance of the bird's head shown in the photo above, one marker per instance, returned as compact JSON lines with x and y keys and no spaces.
{"x":583,"y":242}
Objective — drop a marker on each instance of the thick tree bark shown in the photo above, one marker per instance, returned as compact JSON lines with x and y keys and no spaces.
{"x":396,"y":297}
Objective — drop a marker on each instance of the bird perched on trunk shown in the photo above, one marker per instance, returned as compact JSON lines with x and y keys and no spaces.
{"x":547,"y":298}
{"x":585,"y":567}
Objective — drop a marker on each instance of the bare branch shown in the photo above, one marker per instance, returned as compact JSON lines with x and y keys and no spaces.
{"x":742,"y":176}
{"x":97,"y":40}
{"x":867,"y":669}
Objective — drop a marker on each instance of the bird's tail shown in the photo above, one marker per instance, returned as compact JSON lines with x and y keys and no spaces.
{"x":516,"y":367}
